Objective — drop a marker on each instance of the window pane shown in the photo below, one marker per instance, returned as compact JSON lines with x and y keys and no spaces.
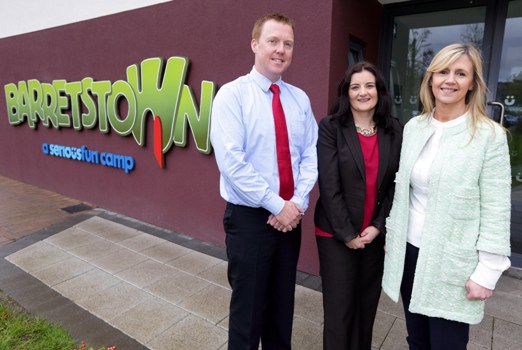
{"x":417,"y":38}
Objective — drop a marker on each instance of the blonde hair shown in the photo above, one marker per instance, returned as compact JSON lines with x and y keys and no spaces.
{"x":475,"y":97}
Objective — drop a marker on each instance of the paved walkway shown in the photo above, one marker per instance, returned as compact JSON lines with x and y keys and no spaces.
{"x":111,"y":280}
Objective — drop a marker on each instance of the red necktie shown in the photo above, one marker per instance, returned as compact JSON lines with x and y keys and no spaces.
{"x":284,"y":162}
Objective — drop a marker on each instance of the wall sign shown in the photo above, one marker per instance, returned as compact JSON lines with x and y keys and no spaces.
{"x":83,"y":154}
{"x":153,"y":87}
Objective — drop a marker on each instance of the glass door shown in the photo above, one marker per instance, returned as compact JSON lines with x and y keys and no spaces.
{"x":416,"y":39}
{"x":412,"y":35}
{"x":509,"y":94}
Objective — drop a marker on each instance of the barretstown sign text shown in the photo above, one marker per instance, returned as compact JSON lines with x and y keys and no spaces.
{"x":154,"y":87}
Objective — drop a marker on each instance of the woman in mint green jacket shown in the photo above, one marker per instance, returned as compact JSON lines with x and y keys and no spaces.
{"x":448,"y":231}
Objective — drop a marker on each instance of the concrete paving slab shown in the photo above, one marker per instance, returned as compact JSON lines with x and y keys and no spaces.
{"x":94,"y":250}
{"x":71,"y":238}
{"x":194,"y":263}
{"x":506,"y":306}
{"x":306,"y":335}
{"x":473,"y":346}
{"x":108,"y":230}
{"x":509,"y":285}
{"x":224,"y":324}
{"x":145,"y":273}
{"x":390,"y":307}
{"x":308,"y":304}
{"x":482,"y":333}
{"x":62,"y":271}
{"x":381,"y":328}
{"x":506,"y":335}
{"x":148,"y":319}
{"x":177,"y":287}
{"x":37,"y":256}
{"x":166,"y":252}
{"x":113,"y":301}
{"x":119,"y":260}
{"x":191,"y":333}
{"x":86,"y":285}
{"x":210,"y":303}
{"x":217,"y":274}
{"x":141,"y":242}
{"x":396,"y":338}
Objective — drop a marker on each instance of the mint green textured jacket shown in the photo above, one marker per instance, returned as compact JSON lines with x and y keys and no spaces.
{"x":468,"y":210}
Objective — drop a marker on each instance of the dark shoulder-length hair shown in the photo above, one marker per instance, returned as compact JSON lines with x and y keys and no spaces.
{"x":342,"y":110}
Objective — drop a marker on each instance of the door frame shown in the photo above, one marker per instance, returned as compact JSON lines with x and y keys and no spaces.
{"x":496,"y":13}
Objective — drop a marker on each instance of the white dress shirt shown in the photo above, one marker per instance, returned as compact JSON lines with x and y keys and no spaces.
{"x":243,"y":137}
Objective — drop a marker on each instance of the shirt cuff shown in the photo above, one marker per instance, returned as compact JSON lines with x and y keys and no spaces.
{"x":274,"y":204}
{"x":489,"y":269}
{"x":303,"y":203}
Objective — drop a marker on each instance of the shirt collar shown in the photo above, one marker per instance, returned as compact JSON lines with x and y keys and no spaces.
{"x":263,"y":82}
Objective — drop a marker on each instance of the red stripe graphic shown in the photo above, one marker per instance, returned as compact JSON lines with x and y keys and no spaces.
{"x":158,"y":142}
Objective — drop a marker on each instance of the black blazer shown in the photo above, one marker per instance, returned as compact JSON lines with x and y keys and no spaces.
{"x":342,"y":180}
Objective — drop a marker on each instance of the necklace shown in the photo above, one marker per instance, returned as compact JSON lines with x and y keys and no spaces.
{"x":366,"y":132}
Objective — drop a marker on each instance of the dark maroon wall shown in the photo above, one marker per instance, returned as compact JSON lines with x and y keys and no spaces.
{"x":360,"y":19}
{"x":215,"y":36}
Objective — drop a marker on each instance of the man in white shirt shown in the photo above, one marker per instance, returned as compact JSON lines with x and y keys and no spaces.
{"x":263,"y":213}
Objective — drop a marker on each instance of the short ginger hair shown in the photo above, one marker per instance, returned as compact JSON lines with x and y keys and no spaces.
{"x":278,"y":17}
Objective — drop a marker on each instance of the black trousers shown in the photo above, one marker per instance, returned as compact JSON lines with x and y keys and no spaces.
{"x":351,"y":281}
{"x":424,"y":332}
{"x":262,"y":265}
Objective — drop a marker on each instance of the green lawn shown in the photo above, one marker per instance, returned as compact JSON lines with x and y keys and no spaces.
{"x":21,"y":331}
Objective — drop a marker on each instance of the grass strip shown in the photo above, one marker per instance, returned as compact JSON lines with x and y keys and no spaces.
{"x":22,"y":331}
{"x":19,"y":331}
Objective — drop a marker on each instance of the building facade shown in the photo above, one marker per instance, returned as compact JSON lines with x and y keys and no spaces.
{"x":115,"y":110}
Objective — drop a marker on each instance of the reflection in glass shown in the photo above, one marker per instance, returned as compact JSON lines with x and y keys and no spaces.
{"x":509,"y":93}
{"x":416,"y":40}
{"x":509,"y":90}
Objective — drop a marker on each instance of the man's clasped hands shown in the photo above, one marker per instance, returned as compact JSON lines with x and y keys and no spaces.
{"x":288,"y":218}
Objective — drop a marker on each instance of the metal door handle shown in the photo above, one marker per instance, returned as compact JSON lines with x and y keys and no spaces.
{"x":498,"y":104}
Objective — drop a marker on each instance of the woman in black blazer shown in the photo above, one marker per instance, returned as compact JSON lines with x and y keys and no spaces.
{"x":358,"y":154}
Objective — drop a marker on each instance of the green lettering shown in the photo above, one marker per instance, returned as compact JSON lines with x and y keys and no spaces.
{"x":11,"y":99}
{"x":24,"y":109}
{"x":62,"y":103}
{"x":199,"y":122}
{"x":49,"y":101}
{"x":156,"y":95}
{"x":88,"y":119}
{"x":101,"y":89}
{"x":35,"y":102}
{"x":73,"y":90}
{"x":121,"y":89}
